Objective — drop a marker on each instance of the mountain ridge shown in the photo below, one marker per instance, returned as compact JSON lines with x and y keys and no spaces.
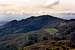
{"x":30,"y":24}
{"x":41,"y":31}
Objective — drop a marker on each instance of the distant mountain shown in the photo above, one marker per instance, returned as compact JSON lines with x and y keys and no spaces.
{"x":42,"y":31}
{"x":30,"y":24}
{"x":3,"y":22}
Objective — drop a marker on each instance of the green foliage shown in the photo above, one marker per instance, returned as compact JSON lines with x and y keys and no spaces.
{"x":51,"y":30}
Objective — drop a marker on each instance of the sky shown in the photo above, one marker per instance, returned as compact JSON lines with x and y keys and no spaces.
{"x":18,"y":9}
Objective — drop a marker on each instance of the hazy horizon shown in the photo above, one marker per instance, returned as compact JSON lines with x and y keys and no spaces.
{"x":20,"y":17}
{"x":21,"y":9}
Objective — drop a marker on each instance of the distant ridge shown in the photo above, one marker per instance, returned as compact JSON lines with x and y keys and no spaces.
{"x":30,"y":24}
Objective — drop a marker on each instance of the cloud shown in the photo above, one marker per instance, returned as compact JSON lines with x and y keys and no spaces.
{"x":36,"y":6}
{"x":53,"y":4}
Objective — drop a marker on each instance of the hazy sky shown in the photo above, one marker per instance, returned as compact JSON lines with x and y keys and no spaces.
{"x":34,"y":7}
